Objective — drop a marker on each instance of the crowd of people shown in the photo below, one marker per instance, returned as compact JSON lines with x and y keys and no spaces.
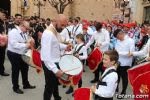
{"x":123,"y":44}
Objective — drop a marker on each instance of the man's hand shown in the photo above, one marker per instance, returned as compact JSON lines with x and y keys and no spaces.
{"x":30,"y":43}
{"x":130,"y":54}
{"x":59,"y":73}
{"x":69,"y":47}
{"x":93,"y":88}
{"x":148,"y":59}
{"x":77,"y":55}
{"x":98,"y":45}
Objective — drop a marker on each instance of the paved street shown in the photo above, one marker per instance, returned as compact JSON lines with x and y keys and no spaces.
{"x":6,"y":92}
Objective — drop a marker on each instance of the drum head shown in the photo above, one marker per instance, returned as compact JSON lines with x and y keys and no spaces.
{"x":70,"y":65}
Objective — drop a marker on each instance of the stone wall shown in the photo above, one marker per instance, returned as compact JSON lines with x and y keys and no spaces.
{"x":89,"y":9}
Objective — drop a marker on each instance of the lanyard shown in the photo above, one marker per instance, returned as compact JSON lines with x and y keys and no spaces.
{"x":23,"y":36}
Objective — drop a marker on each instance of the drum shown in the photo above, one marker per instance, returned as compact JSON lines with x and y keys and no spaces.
{"x":72,"y":68}
{"x":83,"y":94}
{"x":139,"y":60}
{"x":3,"y":40}
{"x":94,"y":59}
{"x":32,"y":58}
{"x":139,"y":79}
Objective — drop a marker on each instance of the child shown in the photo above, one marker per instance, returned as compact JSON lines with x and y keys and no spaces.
{"x":80,"y":52}
{"x":107,"y":84}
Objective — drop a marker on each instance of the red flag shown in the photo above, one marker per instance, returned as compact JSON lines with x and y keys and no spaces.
{"x":139,"y":77}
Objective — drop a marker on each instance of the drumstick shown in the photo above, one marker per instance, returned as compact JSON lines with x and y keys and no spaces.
{"x":71,"y":69}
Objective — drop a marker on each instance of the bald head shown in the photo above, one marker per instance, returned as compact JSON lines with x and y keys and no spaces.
{"x":61,"y":22}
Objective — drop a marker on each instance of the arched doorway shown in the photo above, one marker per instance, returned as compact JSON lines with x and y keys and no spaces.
{"x":5,"y":4}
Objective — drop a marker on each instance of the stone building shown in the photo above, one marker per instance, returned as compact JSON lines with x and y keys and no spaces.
{"x":89,"y":9}
{"x":142,"y":12}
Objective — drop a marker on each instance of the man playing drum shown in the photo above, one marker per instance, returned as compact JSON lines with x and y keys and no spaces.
{"x":18,"y":44}
{"x":145,"y":50}
{"x":51,"y":47}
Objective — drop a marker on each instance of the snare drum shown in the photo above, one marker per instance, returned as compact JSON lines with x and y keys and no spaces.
{"x":32,"y":58}
{"x":94,"y":59}
{"x":3,"y":40}
{"x":83,"y":94}
{"x":72,"y":68}
{"x":139,"y":78}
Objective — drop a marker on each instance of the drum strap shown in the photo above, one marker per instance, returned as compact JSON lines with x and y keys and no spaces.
{"x":74,"y":31}
{"x":69,"y":33}
{"x":77,"y":51}
{"x":104,"y":83}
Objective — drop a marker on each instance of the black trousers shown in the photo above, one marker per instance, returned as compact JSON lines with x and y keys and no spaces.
{"x":18,"y":65}
{"x":2,"y":59}
{"x":102,"y":98}
{"x":96,"y":72}
{"x":122,"y":73}
{"x":51,"y":84}
{"x":80,"y":83}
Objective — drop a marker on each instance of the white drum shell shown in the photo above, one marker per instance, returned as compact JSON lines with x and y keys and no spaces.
{"x":70,"y":65}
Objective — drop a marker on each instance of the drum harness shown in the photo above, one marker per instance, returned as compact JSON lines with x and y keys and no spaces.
{"x":100,"y":82}
{"x":77,"y":50}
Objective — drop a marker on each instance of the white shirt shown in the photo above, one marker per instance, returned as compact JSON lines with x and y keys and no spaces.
{"x":90,"y":31}
{"x":51,"y":50}
{"x":65,"y":34}
{"x":83,"y":51}
{"x":17,"y":41}
{"x":76,"y":30}
{"x":101,"y":37}
{"x":144,"y":51}
{"x":111,"y":81}
{"x":123,"y":48}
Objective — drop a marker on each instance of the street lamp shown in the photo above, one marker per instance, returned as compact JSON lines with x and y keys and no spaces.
{"x":39,"y":4}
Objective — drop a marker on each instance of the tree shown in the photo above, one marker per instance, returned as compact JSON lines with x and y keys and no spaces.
{"x":60,"y":5}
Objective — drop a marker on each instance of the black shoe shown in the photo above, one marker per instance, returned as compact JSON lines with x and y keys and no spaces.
{"x":4,"y":74}
{"x":70,"y":90}
{"x":19,"y":91}
{"x":58,"y":98}
{"x":123,"y":93}
{"x":94,"y":81}
{"x":29,"y":87}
